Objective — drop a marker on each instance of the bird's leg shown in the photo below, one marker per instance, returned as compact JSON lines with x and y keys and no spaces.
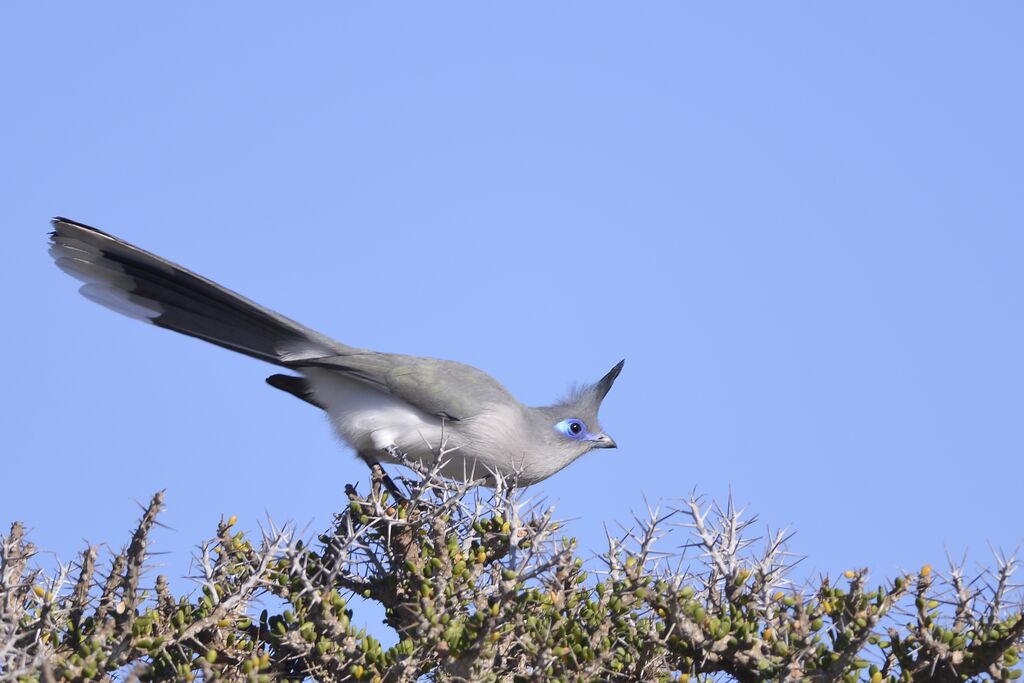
{"x":379,"y":475}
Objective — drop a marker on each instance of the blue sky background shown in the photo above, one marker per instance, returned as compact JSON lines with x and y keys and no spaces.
{"x":800,"y":223}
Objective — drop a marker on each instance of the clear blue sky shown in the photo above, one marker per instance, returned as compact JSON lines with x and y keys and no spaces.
{"x":801,"y":224}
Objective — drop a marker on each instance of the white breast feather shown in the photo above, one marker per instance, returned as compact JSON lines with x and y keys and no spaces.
{"x":370,"y":420}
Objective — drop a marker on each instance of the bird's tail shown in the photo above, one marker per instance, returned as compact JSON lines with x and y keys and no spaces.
{"x":144,"y":286}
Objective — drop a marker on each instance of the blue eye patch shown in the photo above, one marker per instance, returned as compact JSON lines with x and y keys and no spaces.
{"x":574,"y":428}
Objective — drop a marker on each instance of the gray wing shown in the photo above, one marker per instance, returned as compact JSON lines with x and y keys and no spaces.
{"x":439,"y":387}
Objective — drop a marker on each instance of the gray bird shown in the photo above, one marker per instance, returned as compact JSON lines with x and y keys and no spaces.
{"x":388,"y":407}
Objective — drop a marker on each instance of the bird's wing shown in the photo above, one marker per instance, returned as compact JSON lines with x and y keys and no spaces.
{"x":439,"y":387}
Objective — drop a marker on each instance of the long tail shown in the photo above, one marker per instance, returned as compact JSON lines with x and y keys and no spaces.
{"x":144,"y":286}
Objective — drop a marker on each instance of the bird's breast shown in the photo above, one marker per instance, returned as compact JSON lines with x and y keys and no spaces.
{"x":369,"y":419}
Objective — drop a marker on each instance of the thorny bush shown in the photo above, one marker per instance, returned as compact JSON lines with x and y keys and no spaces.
{"x":478,"y":585}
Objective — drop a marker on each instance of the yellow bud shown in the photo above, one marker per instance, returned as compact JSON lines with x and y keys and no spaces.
{"x":39,"y":591}
{"x":849,"y":573}
{"x":231,"y":520}
{"x":768,"y":634}
{"x":926,"y":570}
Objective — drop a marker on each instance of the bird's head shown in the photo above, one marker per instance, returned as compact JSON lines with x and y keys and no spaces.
{"x":572,"y":426}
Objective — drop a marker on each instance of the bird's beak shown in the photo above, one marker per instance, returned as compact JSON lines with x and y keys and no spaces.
{"x":605,"y":441}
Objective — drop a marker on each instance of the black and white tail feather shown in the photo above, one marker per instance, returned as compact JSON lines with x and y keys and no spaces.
{"x":136,"y":283}
{"x":143,"y":286}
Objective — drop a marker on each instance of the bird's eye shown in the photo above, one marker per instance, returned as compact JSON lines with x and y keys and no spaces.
{"x":572,"y":427}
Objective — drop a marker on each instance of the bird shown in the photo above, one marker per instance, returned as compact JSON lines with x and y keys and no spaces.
{"x":389,"y":408}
